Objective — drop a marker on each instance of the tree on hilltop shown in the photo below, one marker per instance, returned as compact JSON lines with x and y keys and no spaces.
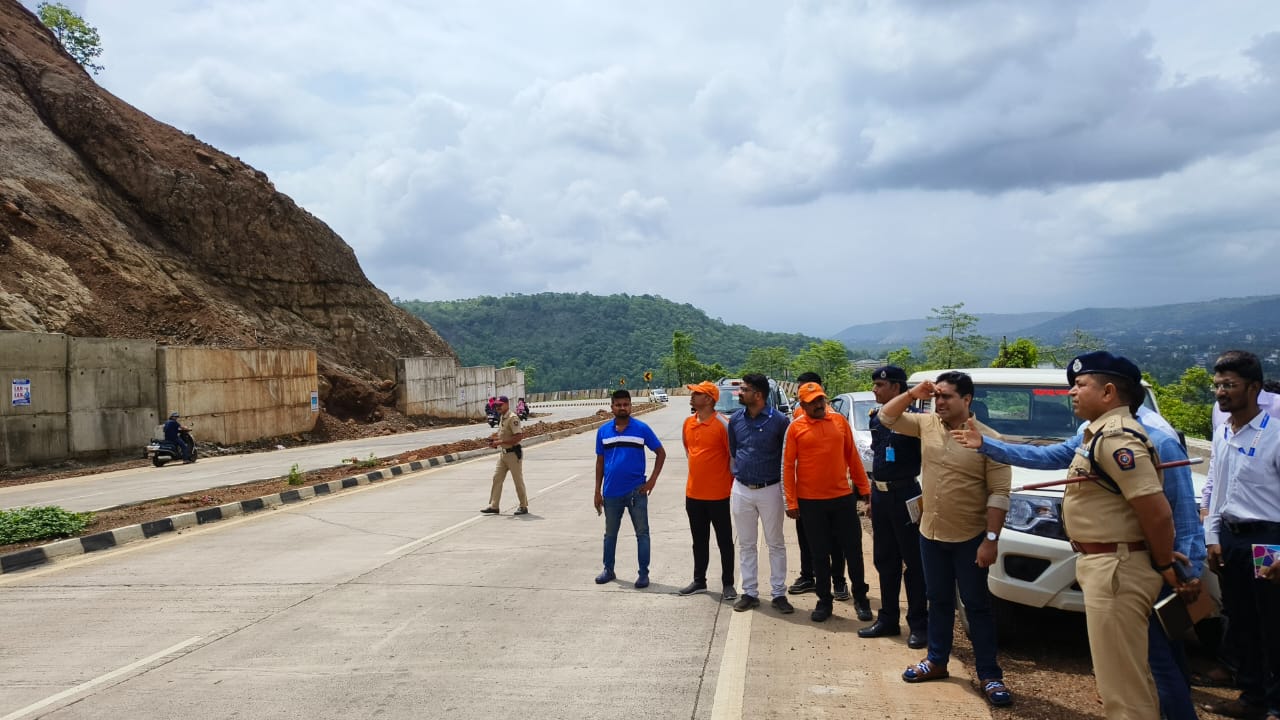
{"x":78,"y":38}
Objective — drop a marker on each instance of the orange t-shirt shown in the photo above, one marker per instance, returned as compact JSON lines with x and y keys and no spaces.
{"x":818,"y":459}
{"x":707,"y":445}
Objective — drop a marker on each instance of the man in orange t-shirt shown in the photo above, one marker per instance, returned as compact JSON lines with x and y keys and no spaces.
{"x":706,"y":501}
{"x":818,"y":460}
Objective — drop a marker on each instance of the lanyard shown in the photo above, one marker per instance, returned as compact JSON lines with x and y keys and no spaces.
{"x":1253,"y":447}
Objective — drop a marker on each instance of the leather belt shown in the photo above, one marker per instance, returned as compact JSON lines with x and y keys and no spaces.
{"x":1248,"y":527}
{"x":513,"y":448}
{"x":761,"y":485}
{"x":889,"y":486}
{"x":1088,"y":548}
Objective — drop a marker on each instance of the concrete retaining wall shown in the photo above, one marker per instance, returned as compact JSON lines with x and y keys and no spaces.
{"x":111,"y":394}
{"x":437,"y":386}
{"x":232,"y":396}
{"x":36,"y":432}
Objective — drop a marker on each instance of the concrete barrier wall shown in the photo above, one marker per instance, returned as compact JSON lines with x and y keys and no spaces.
{"x":427,"y":386}
{"x":510,"y":382}
{"x":438,"y":386}
{"x":111,"y":394}
{"x":36,"y":432}
{"x":475,"y":386}
{"x":232,"y":396}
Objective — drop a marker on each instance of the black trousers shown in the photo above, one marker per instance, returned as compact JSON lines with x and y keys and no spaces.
{"x":834,"y":523}
{"x":806,"y":558}
{"x":704,"y":515}
{"x":895,"y":545}
{"x":1252,"y":607}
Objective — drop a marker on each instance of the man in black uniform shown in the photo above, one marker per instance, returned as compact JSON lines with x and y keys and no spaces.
{"x":895,"y":539}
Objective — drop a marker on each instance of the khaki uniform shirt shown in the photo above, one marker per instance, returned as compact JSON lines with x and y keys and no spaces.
{"x":508,"y":428}
{"x":1091,"y":512}
{"x":958,"y":484}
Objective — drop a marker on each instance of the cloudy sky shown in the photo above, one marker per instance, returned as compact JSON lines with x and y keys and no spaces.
{"x":798,"y":166}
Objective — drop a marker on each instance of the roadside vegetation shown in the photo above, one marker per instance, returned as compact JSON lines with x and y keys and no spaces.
{"x":41,"y":523}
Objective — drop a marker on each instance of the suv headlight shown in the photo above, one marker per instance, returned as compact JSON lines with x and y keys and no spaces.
{"x":1035,"y":515}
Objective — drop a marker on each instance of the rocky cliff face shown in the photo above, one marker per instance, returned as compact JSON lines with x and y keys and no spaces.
{"x":114,"y":224}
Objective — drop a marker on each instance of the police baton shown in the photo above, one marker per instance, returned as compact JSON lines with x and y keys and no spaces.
{"x":1084,"y":478}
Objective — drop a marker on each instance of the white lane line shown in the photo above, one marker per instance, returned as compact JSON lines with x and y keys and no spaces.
{"x":100,"y":679}
{"x":458,"y":526}
{"x":731,"y":680}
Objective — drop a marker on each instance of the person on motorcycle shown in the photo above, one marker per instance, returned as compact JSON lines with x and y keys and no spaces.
{"x":173,"y":433}
{"x":522,"y":409}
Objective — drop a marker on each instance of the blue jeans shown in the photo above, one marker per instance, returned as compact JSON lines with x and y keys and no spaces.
{"x":1168,"y":669}
{"x":949,"y":567}
{"x":638,"y":505}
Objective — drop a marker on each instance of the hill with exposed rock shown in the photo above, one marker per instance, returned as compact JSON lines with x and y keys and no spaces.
{"x":113,"y":224}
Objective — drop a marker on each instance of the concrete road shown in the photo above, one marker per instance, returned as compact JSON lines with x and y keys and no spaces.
{"x":399,"y":600}
{"x":107,"y":490}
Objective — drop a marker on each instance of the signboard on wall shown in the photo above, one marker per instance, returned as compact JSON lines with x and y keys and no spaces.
{"x":315,"y":401}
{"x":22,"y":391}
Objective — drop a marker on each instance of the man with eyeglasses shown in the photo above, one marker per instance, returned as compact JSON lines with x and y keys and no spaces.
{"x":1244,"y":514}
{"x":1165,"y":654}
{"x":756,"y":434}
{"x":964,"y":500}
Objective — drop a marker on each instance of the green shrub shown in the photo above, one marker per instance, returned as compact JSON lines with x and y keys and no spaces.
{"x":40,"y":523}
{"x":296,"y":476}
{"x":371,"y":461}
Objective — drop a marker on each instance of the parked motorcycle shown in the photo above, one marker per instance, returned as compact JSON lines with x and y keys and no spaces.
{"x":162,"y":451}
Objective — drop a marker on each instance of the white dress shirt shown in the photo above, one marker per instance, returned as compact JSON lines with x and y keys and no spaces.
{"x":1245,"y":474}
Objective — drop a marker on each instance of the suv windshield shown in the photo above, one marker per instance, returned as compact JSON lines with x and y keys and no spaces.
{"x":860,"y":415}
{"x":728,"y":402}
{"x":1025,"y":412}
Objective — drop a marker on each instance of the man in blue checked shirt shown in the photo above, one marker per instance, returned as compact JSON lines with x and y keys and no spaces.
{"x":1168,"y":663}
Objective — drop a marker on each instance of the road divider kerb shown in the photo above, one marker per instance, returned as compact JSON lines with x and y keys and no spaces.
{"x":41,"y":554}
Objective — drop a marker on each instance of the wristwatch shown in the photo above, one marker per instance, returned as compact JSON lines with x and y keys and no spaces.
{"x":992,"y":536}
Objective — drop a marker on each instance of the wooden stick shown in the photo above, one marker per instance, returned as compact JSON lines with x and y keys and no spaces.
{"x":1083,"y":478}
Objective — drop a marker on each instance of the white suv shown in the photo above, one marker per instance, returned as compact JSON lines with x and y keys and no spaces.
{"x":1036,"y":565}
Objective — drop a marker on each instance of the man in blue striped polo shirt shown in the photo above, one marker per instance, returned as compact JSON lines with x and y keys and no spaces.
{"x":621,"y":484}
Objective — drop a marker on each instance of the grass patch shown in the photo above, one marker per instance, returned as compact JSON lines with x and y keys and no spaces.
{"x":41,"y":523}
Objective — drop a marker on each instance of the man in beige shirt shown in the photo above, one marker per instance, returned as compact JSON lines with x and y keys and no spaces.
{"x":964,"y":500}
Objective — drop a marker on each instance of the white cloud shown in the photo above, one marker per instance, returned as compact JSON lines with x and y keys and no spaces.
{"x":1012,"y":155}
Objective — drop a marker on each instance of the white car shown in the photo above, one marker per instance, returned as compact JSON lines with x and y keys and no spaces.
{"x":1036,"y":565}
{"x":658,"y":395}
{"x":856,"y":408}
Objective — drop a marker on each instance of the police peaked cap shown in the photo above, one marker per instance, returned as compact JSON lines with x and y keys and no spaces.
{"x":892,"y":373}
{"x":1105,"y":363}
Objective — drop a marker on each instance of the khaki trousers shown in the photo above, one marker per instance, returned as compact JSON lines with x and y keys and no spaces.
{"x":1119,"y":589}
{"x":507,"y":461}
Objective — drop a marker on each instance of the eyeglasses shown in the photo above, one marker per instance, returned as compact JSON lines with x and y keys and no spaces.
{"x":1228,"y":386}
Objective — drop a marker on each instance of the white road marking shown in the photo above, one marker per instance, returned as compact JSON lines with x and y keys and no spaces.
{"x":100,"y":679}
{"x":731,"y":680}
{"x":458,"y":526}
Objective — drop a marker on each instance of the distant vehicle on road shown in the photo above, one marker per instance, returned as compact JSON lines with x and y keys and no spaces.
{"x":658,"y":395}
{"x":160,"y":451}
{"x":856,"y":407}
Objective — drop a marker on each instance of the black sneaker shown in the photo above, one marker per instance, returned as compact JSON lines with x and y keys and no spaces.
{"x":730,"y":594}
{"x":821,"y":612}
{"x":863,"y":606}
{"x":782,"y":605}
{"x":802,"y":585}
{"x":521,"y":511}
{"x":692,"y":588}
{"x":841,"y":592}
{"x":746,"y":602}
{"x":490,"y":511}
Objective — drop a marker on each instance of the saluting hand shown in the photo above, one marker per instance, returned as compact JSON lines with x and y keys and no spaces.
{"x":967,"y":435}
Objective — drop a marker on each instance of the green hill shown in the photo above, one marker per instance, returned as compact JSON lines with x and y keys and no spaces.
{"x":582,"y":340}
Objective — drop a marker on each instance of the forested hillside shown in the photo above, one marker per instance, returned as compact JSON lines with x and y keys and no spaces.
{"x":582,"y":340}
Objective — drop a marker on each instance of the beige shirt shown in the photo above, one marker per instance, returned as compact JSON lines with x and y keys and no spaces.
{"x":508,"y":428}
{"x":1091,"y":512}
{"x":957,"y":484}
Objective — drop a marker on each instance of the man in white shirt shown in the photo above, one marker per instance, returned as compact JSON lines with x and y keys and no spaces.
{"x":1245,"y":513}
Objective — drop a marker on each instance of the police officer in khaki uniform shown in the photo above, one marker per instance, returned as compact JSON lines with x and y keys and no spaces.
{"x":1122,"y":527}
{"x":507,"y":439}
